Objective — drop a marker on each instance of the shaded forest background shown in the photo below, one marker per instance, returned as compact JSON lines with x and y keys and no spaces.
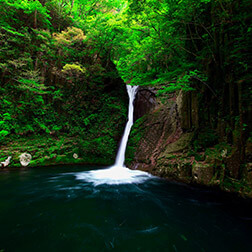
{"x":64,"y":65}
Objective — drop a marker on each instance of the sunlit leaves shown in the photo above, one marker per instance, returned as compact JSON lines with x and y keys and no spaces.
{"x":157,"y":42}
{"x":73,"y":68}
{"x":71,"y":35}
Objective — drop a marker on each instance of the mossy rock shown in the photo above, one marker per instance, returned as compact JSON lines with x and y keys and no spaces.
{"x":202,"y":173}
{"x":179,"y":145}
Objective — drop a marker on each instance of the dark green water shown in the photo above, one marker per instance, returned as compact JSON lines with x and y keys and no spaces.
{"x":47,"y":210}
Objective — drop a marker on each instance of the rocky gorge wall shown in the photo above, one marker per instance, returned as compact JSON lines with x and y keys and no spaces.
{"x":166,"y":141}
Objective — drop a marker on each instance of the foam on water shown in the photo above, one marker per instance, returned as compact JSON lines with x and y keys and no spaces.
{"x":114,"y":175}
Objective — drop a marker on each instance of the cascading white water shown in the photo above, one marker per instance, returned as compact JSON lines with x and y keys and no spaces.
{"x":132,"y":90}
{"x":118,"y":173}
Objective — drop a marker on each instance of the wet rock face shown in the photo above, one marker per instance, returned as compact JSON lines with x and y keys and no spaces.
{"x":163,"y":134}
{"x":145,"y":101}
{"x":163,"y":127}
{"x":160,"y":129}
{"x":154,"y":131}
{"x":161,"y":143}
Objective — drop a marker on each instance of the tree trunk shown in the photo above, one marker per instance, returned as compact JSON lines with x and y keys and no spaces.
{"x":35,"y":19}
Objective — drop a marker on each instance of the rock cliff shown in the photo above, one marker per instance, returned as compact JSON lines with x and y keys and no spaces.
{"x":167,"y":140}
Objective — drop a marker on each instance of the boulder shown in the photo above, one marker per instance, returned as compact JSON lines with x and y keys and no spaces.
{"x":202,"y":173}
{"x":6,"y":162}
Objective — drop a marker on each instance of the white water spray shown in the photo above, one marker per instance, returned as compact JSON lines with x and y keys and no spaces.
{"x":132,"y":90}
{"x":118,"y":174}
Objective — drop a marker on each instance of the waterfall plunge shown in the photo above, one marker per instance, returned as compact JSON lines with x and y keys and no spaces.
{"x":132,"y":90}
{"x":118,"y":173}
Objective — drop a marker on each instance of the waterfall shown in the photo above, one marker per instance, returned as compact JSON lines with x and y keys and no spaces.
{"x":132,"y":90}
{"x":118,"y":173}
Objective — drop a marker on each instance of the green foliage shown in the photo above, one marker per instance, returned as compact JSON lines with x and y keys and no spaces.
{"x":219,"y":151}
{"x":3,"y":134}
{"x":31,"y":86}
{"x":5,"y":126}
{"x":68,"y":68}
{"x":52,"y":77}
{"x":57,"y":75}
{"x":71,"y":36}
{"x":205,"y":139}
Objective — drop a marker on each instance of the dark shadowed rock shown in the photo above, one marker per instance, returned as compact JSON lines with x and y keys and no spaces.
{"x":145,"y":101}
{"x":233,"y":164}
{"x":188,"y":110}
